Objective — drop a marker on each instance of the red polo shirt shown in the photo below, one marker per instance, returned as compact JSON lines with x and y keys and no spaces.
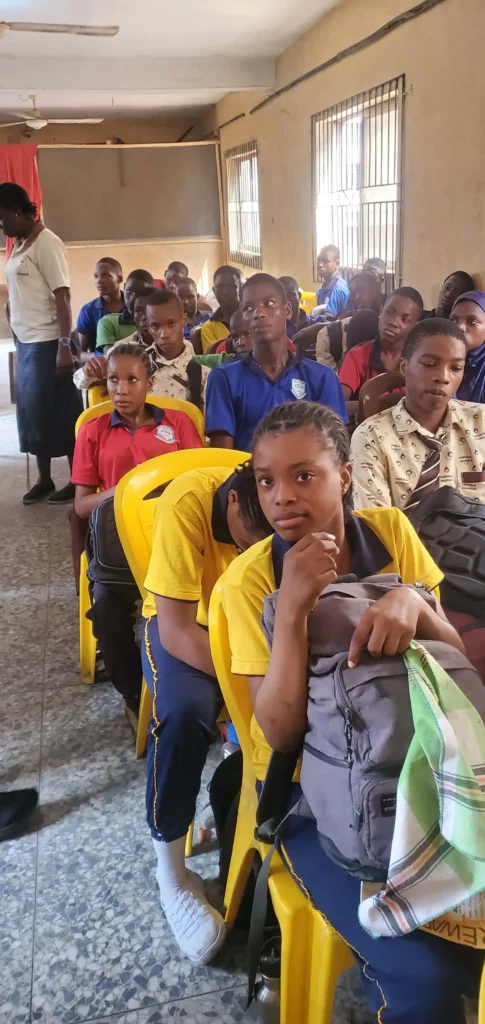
{"x":106,"y":448}
{"x":360,"y":364}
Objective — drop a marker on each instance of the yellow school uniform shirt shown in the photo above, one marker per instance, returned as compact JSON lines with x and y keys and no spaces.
{"x":211,"y":331}
{"x":187,"y":559}
{"x":251,"y":578}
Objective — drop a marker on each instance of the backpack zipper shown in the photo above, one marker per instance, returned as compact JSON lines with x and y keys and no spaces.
{"x":338,"y":762}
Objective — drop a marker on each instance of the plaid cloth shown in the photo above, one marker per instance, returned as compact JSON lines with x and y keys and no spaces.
{"x":438,"y":848}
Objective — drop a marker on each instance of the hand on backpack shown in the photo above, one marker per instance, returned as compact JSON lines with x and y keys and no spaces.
{"x":388,"y":626}
{"x":308,"y":568}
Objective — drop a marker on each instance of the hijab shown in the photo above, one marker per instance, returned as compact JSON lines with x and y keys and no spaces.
{"x":472,"y":387}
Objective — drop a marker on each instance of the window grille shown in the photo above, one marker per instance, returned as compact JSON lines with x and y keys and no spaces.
{"x":243,"y":205}
{"x":357,"y":178}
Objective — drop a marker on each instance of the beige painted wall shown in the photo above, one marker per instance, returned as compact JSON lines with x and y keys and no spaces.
{"x":202,"y":256}
{"x":130,"y":129}
{"x":441,"y":54}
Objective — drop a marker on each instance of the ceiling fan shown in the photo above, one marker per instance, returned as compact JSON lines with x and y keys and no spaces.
{"x":36,"y":121}
{"x":70,"y":30}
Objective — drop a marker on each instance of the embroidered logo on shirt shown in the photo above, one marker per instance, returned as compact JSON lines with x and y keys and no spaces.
{"x":298,"y":388}
{"x":166,"y":434}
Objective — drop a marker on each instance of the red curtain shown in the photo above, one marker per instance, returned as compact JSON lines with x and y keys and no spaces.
{"x":18,"y":163}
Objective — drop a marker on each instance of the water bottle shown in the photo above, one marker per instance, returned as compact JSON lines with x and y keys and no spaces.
{"x":265,"y":1007}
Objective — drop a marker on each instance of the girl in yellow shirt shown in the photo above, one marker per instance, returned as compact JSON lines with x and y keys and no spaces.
{"x":303,"y":476}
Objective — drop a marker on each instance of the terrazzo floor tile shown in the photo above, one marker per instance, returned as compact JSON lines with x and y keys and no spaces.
{"x":217,"y":1008}
{"x":20,"y":732}
{"x":17,"y":900}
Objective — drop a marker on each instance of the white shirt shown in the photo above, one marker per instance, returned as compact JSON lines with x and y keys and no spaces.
{"x":33,"y":272}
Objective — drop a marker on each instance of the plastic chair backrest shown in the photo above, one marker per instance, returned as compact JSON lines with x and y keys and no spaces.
{"x":96,"y":394}
{"x":377,"y":394}
{"x":135,"y":512}
{"x":234,"y":689}
{"x":308,"y":301}
{"x":163,"y":402}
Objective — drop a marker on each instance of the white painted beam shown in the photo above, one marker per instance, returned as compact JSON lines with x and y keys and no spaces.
{"x":147,"y":75}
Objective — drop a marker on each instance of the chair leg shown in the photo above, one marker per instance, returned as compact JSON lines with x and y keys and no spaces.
{"x":313,"y":955}
{"x":189,"y":841}
{"x":243,"y":851}
{"x":144,"y":716}
{"x":87,"y":640}
{"x":331,"y":956}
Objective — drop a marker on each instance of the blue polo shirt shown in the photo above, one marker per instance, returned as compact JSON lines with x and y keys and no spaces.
{"x":334,"y":295}
{"x":239,"y":394}
{"x":89,"y":316}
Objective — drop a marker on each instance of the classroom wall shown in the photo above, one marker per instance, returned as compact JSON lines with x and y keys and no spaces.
{"x":202,"y":256}
{"x":441,"y":54}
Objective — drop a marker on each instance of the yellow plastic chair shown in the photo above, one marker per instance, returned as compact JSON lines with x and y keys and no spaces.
{"x":135,"y":512}
{"x":313,"y":955}
{"x":162,"y":401}
{"x":97,"y":393}
{"x":308,"y":301}
{"x":87,"y":642}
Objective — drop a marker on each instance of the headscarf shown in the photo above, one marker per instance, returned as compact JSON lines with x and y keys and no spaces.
{"x":473,"y":296}
{"x":472,"y":387}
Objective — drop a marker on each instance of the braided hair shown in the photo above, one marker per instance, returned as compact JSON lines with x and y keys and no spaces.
{"x":329,"y":427}
{"x":130,"y":348}
{"x":295,"y":415}
{"x":244,"y":485}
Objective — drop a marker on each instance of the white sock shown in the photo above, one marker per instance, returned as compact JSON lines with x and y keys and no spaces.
{"x":171,"y":870}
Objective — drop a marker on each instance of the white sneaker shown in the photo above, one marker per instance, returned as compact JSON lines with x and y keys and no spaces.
{"x":197,"y":927}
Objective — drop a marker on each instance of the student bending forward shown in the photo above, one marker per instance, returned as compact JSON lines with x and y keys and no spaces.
{"x":106,"y":449}
{"x":303,"y":476}
{"x":203,"y":519}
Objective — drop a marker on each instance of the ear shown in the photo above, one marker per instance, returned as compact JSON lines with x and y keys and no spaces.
{"x":186,"y":319}
{"x":150,"y":385}
{"x":404,"y":366}
{"x":288,"y":310}
{"x":232,"y":498}
{"x":346,"y":477}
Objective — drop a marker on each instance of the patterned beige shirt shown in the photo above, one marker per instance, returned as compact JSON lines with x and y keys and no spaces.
{"x":170,"y":377}
{"x":326,"y":351}
{"x":388,"y":455}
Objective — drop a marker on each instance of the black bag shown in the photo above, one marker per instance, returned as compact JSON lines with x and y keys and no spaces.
{"x":452,"y":528}
{"x":106,"y":558}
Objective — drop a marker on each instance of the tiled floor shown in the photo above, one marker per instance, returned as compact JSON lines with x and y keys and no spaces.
{"x":82,"y":936}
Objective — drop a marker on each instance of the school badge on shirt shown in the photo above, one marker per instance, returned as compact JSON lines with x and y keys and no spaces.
{"x":164,"y":433}
{"x":298,"y":388}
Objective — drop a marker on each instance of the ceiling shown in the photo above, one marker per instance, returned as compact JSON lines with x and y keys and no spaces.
{"x":167,"y":58}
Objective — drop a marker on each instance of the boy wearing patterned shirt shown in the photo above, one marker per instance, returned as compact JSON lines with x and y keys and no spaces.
{"x":391,"y":450}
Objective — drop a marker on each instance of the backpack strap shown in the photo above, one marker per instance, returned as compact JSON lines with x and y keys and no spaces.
{"x":279,"y":547}
{"x":194,"y":376}
{"x":335,"y":337}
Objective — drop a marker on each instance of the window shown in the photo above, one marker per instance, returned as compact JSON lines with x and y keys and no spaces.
{"x":357,"y":157}
{"x":243,"y":205}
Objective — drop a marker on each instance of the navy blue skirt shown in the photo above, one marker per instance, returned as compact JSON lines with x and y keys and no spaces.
{"x":48,"y":403}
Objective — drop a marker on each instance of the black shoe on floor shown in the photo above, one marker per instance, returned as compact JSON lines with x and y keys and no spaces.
{"x":39,"y":491}
{"x":15,"y":807}
{"x":63,"y":497}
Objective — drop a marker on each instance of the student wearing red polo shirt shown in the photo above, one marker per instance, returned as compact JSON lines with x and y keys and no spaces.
{"x":401,"y":311}
{"x":106,"y":449}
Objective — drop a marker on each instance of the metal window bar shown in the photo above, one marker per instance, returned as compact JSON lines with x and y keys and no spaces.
{"x":243,"y":205}
{"x":357,"y":178}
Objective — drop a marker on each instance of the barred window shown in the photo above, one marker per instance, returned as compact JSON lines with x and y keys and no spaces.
{"x":243,"y":204}
{"x":357,"y":178}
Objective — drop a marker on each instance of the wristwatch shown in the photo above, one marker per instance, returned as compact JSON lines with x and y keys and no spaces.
{"x":65,"y":342}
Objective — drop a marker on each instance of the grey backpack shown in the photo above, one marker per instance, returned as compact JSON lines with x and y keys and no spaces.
{"x":359,"y":725}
